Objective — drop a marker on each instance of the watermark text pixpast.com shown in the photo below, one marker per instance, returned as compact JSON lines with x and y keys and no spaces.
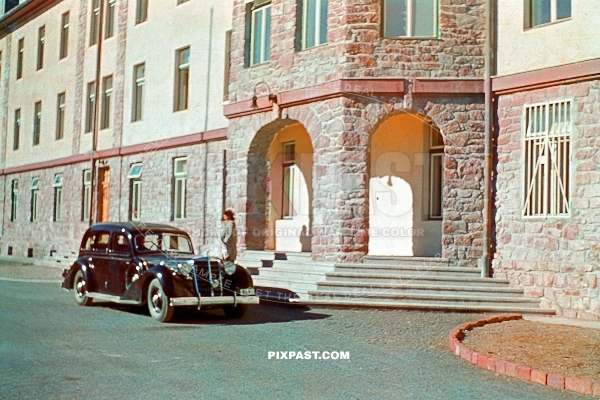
{"x":308,"y":355}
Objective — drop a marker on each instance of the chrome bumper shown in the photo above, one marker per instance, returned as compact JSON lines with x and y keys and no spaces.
{"x":211,"y":301}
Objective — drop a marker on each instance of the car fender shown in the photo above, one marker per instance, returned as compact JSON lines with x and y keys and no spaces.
{"x":164,"y":276}
{"x":69,"y":275}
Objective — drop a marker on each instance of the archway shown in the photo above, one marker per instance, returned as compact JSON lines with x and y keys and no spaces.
{"x":279,"y":206}
{"x":405,"y":187}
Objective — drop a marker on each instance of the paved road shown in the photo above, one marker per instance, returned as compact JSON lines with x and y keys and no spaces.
{"x":51,"y":348}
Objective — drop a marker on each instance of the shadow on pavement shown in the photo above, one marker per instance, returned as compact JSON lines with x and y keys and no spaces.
{"x":269,"y":313}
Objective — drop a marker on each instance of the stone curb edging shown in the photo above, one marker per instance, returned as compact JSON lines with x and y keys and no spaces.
{"x":511,"y":369}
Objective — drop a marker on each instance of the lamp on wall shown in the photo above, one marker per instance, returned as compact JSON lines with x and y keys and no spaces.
{"x":272,"y":97}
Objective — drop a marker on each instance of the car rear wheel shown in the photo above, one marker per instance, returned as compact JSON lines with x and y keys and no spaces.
{"x":235,"y":311}
{"x":159,"y":303}
{"x":80,"y":289}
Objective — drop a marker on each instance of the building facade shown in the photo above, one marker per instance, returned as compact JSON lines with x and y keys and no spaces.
{"x":386,"y":113}
{"x":138,"y":86}
{"x":548,"y":158}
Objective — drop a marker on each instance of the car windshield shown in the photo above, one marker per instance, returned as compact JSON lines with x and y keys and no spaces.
{"x":162,"y":242}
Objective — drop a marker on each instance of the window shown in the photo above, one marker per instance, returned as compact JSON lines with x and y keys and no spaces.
{"x":10,"y":4}
{"x":57,"y":185}
{"x":20,"y":54}
{"x":37,"y":123}
{"x":41,"y":40}
{"x":546,"y":156}
{"x":139,"y":76}
{"x":182,"y":76}
{"x":89,"y":109}
{"x":94,"y":22}
{"x":17,"y":130}
{"x":106,"y":96}
{"x":64,"y":36}
{"x":14,"y":203}
{"x":289,"y":177}
{"x":436,"y":173}
{"x":34,"y":199}
{"x":141,"y":12}
{"x":135,"y":199}
{"x":60,"y":116}
{"x":87,"y":194}
{"x":227,"y":65}
{"x":410,"y":18}
{"x":261,"y":28}
{"x":109,"y":31}
{"x":539,"y":12}
{"x":120,"y":243}
{"x":314,"y":23}
{"x":180,"y":177}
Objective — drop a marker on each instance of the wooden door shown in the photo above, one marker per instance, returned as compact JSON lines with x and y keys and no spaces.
{"x":103,"y":190}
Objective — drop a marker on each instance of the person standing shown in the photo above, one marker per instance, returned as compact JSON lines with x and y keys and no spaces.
{"x":228,"y":237}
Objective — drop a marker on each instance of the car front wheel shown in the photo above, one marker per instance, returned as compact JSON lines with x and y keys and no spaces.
{"x":159,"y":303}
{"x":235,"y":311}
{"x":80,"y":289}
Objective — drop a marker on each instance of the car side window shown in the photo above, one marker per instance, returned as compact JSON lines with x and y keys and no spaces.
{"x":120,"y":243}
{"x":88,"y":242}
{"x":102,"y":241}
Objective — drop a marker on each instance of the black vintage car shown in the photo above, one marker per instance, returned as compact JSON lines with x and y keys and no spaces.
{"x":154,"y":264}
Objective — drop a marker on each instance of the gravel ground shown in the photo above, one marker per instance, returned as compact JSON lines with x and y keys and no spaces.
{"x":52,"y":349}
{"x":566,"y":350}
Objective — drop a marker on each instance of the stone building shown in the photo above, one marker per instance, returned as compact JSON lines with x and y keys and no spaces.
{"x":548,"y":153}
{"x":384,"y":109}
{"x":157,"y":71}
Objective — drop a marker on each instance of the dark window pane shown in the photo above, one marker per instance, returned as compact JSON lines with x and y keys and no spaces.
{"x":563,"y":9}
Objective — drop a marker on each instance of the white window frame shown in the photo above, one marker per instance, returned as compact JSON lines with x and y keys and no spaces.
{"x":40,"y":52}
{"x":87,"y":194}
{"x":35,"y":186}
{"x":61,"y":100}
{"x":546,"y":144}
{"x":288,"y":160}
{"x":107,"y":90}
{"x":139,"y":80}
{"x":64,"y":36}
{"x":135,"y":197}
{"x":14,"y":203}
{"x":264,"y":41}
{"x":57,"y":185}
{"x":529,"y":13}
{"x":410,"y":20}
{"x":182,"y":80}
{"x":318,"y":23}
{"x":179,"y":188}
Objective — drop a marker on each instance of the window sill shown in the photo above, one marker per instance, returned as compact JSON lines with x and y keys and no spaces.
{"x":266,"y":62}
{"x":558,"y":21}
{"x":314,"y":47}
{"x":409,"y":38}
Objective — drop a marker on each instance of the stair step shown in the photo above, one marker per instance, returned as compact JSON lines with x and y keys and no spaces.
{"x":400,"y":260}
{"x":302,"y":276}
{"x":386,"y":296}
{"x":400,"y":279}
{"x":410,"y":288}
{"x":310,"y":266}
{"x":415,"y":269}
{"x":426,"y":306}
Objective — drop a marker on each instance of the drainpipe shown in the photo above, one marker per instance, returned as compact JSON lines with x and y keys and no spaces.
{"x":207,"y":99}
{"x":488,"y":197}
{"x":94,"y":183}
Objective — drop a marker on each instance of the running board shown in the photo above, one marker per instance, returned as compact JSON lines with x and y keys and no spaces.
{"x":114,"y":299}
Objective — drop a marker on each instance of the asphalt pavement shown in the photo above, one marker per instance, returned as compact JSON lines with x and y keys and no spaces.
{"x":53,"y":349}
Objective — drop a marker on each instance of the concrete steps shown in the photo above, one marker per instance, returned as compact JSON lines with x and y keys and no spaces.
{"x":394,"y":282}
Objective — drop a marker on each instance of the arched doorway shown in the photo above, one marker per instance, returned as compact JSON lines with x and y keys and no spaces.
{"x":405,"y":187}
{"x":280,"y":188}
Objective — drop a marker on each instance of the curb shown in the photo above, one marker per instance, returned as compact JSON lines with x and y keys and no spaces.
{"x":522,"y":372}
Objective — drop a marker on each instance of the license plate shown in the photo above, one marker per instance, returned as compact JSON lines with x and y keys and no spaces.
{"x":247,"y":292}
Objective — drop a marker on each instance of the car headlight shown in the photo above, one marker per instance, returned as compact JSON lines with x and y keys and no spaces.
{"x":186,"y":267}
{"x":229,"y":267}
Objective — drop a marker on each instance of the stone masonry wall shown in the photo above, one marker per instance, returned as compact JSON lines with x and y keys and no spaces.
{"x":65,"y":235}
{"x":555,"y":259}
{"x":355,"y":47}
{"x":340,"y":131}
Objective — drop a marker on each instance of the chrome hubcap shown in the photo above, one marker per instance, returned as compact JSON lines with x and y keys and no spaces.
{"x":81,"y":288}
{"x":157,"y":301}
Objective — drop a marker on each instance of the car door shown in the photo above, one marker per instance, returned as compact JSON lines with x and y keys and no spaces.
{"x":99,"y":260}
{"x":120,"y":264}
